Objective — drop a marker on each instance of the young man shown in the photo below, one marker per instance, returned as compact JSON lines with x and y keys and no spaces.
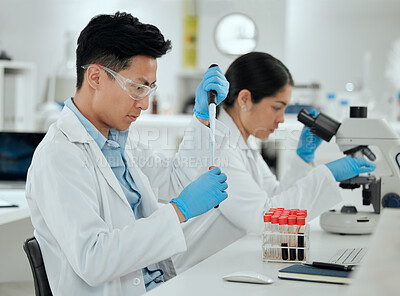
{"x":92,"y":190}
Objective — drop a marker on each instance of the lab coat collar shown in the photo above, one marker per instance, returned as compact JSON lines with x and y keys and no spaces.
{"x":236,"y":138}
{"x":70,"y":125}
{"x":73,"y":129}
{"x":91,"y":129}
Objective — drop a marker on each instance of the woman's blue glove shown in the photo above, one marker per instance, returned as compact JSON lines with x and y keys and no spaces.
{"x":349,"y":167}
{"x":202,"y":194}
{"x":308,"y":143}
{"x":213,"y":79}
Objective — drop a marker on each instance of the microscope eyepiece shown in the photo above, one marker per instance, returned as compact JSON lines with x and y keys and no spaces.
{"x":321,"y":125}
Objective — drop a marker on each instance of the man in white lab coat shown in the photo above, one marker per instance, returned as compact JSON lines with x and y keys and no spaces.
{"x":92,"y":189}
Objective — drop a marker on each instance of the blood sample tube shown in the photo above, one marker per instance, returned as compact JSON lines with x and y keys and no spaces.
{"x":283,"y":230}
{"x":301,"y":221}
{"x":292,"y":220}
{"x":304,"y":211}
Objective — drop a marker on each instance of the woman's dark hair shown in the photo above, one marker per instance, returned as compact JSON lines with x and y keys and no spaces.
{"x":260,"y":73}
{"x":113,"y":40}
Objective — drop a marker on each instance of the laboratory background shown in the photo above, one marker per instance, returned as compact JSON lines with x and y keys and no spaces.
{"x":340,"y":53}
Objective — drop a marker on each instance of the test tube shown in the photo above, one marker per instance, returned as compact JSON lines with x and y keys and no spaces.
{"x":275,"y":237}
{"x":302,"y":213}
{"x":301,"y":221}
{"x":292,"y":220}
{"x":283,"y":230}
{"x":267,"y":237}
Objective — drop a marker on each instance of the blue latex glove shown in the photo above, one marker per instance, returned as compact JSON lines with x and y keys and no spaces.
{"x":213,"y":79}
{"x":349,"y":167}
{"x":202,"y":194}
{"x":308,"y":143}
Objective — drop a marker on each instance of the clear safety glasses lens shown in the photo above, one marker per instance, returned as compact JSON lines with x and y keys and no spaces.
{"x":134,"y":90}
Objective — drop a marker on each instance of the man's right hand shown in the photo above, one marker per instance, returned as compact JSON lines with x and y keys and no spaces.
{"x":202,"y":194}
{"x":213,"y":79}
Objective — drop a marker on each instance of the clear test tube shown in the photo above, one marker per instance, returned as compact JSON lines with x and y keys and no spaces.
{"x":292,"y":220}
{"x":275,"y":237}
{"x":301,"y":231}
{"x":267,"y":237}
{"x":284,"y":240}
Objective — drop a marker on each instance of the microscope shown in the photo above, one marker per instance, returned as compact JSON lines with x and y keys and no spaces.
{"x":359,"y":136}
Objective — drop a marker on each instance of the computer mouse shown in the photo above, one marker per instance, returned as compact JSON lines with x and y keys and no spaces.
{"x":248,"y":277}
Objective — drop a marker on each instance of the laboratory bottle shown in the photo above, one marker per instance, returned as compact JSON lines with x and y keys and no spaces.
{"x":275,"y":237}
{"x":330,"y":108}
{"x":154,"y":104}
{"x":292,"y":236}
{"x":284,"y":240}
{"x":267,"y":236}
{"x":301,"y":231}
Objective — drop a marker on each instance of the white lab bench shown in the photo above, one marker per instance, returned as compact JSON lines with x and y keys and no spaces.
{"x":15,"y":227}
{"x":245,"y":254}
{"x":17,"y":197}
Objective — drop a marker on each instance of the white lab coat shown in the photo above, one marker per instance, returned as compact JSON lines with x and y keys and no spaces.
{"x":253,"y":189}
{"x":91,"y":242}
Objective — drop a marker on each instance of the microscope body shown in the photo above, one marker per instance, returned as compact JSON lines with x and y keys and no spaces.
{"x":371,"y":132}
{"x":359,"y":136}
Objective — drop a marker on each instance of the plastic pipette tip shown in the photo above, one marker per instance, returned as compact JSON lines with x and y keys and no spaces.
{"x":210,"y":168}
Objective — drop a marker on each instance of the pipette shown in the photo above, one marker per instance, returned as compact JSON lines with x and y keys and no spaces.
{"x":212,"y":107}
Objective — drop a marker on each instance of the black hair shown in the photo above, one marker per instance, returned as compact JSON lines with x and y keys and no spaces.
{"x":113,"y":40}
{"x":260,"y":73}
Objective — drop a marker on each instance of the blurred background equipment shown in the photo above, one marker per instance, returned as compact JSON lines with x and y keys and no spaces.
{"x":190,"y":35}
{"x":235,"y":34}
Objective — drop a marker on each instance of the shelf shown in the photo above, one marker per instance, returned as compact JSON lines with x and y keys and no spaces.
{"x":17,"y":96}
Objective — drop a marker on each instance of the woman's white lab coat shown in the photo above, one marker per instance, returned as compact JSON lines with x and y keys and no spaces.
{"x":91,"y":242}
{"x":253,"y":189}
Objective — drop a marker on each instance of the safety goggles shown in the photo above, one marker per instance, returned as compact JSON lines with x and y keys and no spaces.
{"x":134,"y":90}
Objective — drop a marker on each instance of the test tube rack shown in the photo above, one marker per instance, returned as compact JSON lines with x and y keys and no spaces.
{"x":286,"y":236}
{"x":286,"y":247}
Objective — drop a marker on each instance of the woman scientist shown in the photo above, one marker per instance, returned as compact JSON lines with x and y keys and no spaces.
{"x":259,"y":92}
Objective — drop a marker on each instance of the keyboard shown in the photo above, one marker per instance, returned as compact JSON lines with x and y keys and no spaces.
{"x":349,"y":256}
